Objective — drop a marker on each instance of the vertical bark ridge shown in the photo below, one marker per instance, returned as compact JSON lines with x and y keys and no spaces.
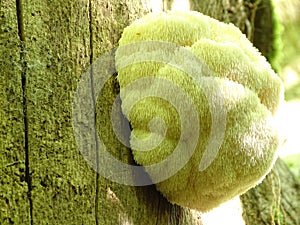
{"x":21,"y":33}
{"x":94,"y":109}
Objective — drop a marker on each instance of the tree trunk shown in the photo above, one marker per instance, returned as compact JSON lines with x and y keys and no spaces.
{"x":45,"y":48}
{"x":276,"y":201}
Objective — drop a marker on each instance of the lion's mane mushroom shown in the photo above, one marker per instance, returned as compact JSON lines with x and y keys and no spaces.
{"x":250,"y":92}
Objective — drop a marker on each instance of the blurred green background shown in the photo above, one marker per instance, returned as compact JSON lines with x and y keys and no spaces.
{"x":288,"y":64}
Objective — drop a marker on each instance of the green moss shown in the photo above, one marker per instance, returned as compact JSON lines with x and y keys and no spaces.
{"x":14,"y":203}
{"x":278,"y":216}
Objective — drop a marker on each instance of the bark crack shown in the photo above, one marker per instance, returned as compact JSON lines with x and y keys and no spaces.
{"x":95,"y":111}
{"x":21,"y":33}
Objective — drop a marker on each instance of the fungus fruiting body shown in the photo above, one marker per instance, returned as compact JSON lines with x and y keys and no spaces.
{"x":230,"y":74}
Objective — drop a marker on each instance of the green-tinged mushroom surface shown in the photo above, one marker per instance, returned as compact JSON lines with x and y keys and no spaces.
{"x":197,"y":92}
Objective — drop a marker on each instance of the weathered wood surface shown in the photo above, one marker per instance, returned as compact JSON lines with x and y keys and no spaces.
{"x":14,"y":203}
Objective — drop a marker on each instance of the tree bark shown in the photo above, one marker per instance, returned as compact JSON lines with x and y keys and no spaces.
{"x":14,"y":202}
{"x":276,"y":200}
{"x":45,"y":47}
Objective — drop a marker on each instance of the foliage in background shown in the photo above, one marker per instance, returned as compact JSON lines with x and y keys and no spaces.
{"x":293,"y":161}
{"x":289,"y":58}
